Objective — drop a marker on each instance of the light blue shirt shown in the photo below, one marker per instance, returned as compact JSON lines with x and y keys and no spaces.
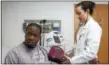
{"x":23,"y":55}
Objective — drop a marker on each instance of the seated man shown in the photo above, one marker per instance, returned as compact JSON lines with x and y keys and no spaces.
{"x":29,"y":51}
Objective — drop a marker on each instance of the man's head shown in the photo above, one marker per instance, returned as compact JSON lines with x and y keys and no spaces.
{"x":32,"y":35}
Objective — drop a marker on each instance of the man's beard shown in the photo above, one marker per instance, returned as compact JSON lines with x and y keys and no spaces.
{"x":30,"y":44}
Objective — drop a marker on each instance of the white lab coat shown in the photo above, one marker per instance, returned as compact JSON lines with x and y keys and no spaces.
{"x":88,"y":42}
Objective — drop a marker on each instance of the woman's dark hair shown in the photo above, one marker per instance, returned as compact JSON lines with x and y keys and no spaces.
{"x":87,"y":5}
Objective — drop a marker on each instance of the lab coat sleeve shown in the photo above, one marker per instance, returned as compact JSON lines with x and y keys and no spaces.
{"x":11,"y":58}
{"x":91,"y":49}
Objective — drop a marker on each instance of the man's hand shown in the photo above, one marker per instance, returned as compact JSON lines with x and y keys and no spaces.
{"x":65,"y":60}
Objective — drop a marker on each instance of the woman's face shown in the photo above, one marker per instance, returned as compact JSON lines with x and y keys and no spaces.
{"x":82,"y":15}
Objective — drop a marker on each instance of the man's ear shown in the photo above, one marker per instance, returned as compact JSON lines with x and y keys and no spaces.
{"x":25,"y":35}
{"x":40,"y":36}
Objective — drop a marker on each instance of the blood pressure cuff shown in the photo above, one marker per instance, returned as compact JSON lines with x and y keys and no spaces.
{"x":55,"y":54}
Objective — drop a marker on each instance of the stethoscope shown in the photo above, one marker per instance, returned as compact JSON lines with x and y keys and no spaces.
{"x":38,"y":55}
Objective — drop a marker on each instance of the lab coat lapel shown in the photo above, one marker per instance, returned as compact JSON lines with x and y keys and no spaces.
{"x":83,"y":29}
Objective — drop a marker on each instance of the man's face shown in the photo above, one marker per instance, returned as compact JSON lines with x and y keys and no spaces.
{"x":32,"y":36}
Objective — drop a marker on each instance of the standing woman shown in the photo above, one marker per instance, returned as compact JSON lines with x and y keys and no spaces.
{"x":88,"y":36}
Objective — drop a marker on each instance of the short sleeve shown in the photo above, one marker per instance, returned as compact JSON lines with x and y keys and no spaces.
{"x":11,"y":58}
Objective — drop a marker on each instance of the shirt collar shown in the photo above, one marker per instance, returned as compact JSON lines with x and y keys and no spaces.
{"x":88,"y":22}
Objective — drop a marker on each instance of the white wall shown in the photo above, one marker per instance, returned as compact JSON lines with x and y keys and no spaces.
{"x":14,"y":14}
